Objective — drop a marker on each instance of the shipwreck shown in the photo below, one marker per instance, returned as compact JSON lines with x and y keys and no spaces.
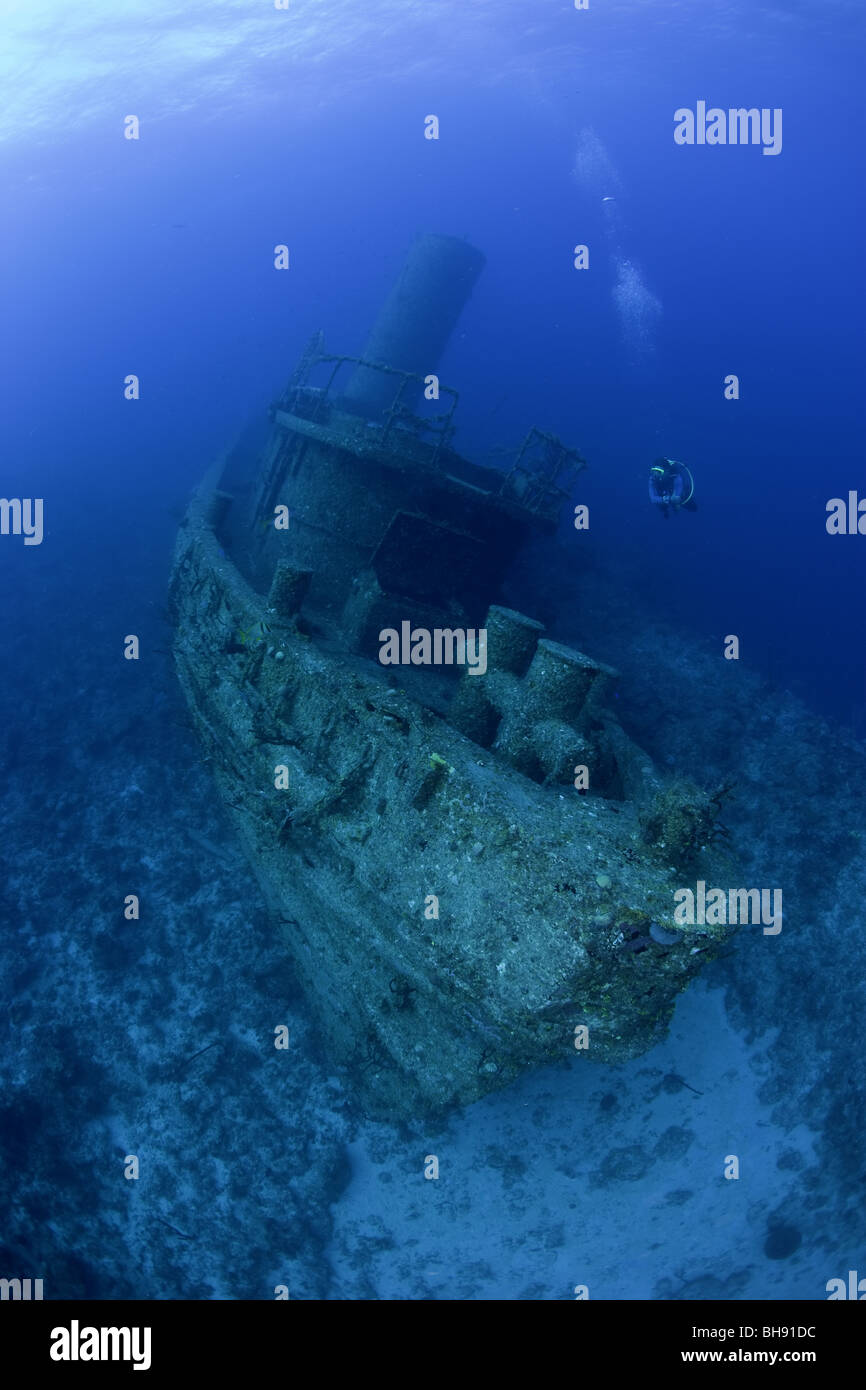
{"x":472,"y":871}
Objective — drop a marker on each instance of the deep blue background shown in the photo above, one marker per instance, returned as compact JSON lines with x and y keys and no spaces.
{"x":155,"y":257}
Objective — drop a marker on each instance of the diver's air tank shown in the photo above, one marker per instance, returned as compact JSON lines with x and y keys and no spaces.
{"x":415,"y":322}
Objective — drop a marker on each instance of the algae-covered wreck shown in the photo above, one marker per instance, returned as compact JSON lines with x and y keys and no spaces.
{"x":456,"y":910}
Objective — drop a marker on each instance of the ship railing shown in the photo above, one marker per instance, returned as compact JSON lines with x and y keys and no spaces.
{"x":542,"y":473}
{"x":538,"y":480}
{"x":426,"y":436}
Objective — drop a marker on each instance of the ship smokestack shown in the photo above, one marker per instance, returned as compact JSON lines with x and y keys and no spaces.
{"x":416,"y":321}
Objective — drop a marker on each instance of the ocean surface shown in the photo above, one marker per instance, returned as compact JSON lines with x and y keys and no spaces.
{"x":719,"y":322}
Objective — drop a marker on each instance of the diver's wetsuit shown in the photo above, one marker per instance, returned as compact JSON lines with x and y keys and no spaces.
{"x":671,"y":485}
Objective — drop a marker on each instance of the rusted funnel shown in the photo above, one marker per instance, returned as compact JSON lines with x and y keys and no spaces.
{"x":415,"y":322}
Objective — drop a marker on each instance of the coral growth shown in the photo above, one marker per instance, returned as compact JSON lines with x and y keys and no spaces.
{"x":682,"y":819}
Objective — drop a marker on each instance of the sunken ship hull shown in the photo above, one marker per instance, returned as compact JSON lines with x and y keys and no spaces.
{"x":472,"y":870}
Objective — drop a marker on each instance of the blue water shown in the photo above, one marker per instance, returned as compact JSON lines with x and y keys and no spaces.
{"x":155,"y":257}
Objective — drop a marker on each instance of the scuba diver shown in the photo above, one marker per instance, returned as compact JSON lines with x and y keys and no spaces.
{"x":671,"y":485}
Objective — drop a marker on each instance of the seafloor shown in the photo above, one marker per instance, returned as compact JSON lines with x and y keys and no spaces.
{"x":155,"y":1038}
